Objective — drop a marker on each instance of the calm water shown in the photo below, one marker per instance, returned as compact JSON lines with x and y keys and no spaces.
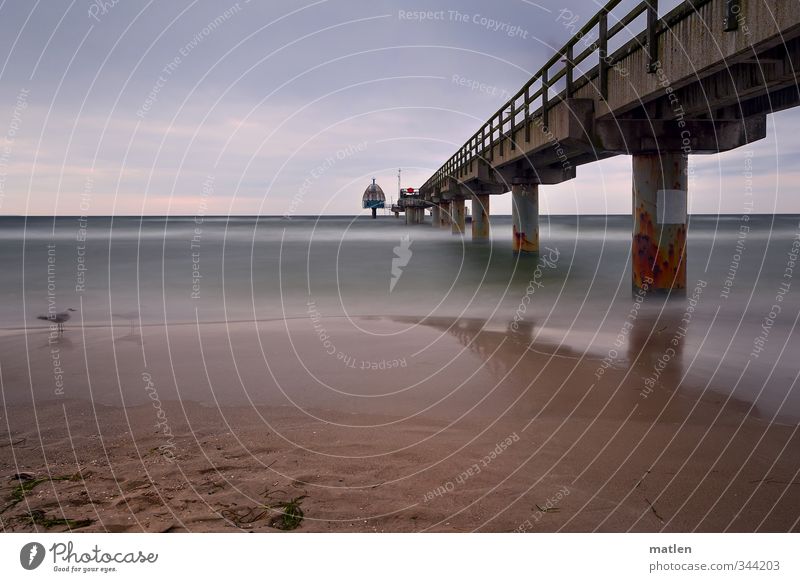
{"x":268,"y":268}
{"x":153,"y":271}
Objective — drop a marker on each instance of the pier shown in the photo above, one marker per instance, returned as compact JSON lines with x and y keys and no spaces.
{"x":698,"y":80}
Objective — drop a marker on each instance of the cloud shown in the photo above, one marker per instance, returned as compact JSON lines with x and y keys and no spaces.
{"x":146,"y":101}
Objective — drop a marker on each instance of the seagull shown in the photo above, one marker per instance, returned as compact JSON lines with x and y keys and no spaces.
{"x":59,"y":318}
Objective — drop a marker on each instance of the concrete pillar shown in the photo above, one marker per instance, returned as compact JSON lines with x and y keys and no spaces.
{"x":436,"y":216}
{"x":374,"y":213}
{"x":480,"y":217}
{"x":457,"y":215}
{"x":659,"y":220}
{"x":409,"y":215}
{"x":525,"y":217}
{"x":444,"y":215}
{"x":421,"y":214}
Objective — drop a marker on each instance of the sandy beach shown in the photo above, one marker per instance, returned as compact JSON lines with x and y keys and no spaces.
{"x":211,"y":427}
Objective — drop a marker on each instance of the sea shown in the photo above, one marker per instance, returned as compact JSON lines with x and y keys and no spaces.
{"x":738,"y":314}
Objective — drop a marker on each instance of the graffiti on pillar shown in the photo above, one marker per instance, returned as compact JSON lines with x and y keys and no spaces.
{"x":661,"y":259}
{"x":522,"y":243}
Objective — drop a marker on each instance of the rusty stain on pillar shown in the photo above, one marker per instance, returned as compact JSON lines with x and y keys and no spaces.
{"x":457,"y":215}
{"x":435,"y":218}
{"x":480,"y":217}
{"x":659,"y":220}
{"x":525,"y":217}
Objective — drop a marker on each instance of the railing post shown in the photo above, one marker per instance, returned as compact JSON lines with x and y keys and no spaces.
{"x":527,"y":113}
{"x":500,"y":132}
{"x":652,"y":39}
{"x":732,"y":11}
{"x":570,"y":69}
{"x":545,"y":97}
{"x":513,"y":124}
{"x":472,"y":148}
{"x":603,"y":68}
{"x":491,"y":139}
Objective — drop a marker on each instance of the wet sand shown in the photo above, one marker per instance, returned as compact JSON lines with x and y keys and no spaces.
{"x":383,"y":424}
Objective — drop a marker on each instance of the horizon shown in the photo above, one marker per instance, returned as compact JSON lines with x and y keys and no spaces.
{"x":362,"y":215}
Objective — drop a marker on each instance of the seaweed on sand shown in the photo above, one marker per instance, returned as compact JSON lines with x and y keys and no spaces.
{"x":38,"y":517}
{"x":28,"y":483}
{"x":290,"y":514}
{"x":282,"y":515}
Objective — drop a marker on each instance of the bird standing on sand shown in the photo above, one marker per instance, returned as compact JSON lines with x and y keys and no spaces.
{"x":59,"y":318}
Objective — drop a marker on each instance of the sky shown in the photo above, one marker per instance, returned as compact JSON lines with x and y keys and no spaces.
{"x":291,"y":107}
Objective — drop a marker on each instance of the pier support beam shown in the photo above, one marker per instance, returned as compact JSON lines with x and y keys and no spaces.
{"x":421,"y":215}
{"x":436,"y":216}
{"x":659,"y":220}
{"x":457,"y":215}
{"x":480,"y":217}
{"x":525,"y":217}
{"x":409,"y":212}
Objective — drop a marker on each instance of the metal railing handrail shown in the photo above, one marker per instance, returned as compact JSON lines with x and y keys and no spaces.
{"x":483,"y":141}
